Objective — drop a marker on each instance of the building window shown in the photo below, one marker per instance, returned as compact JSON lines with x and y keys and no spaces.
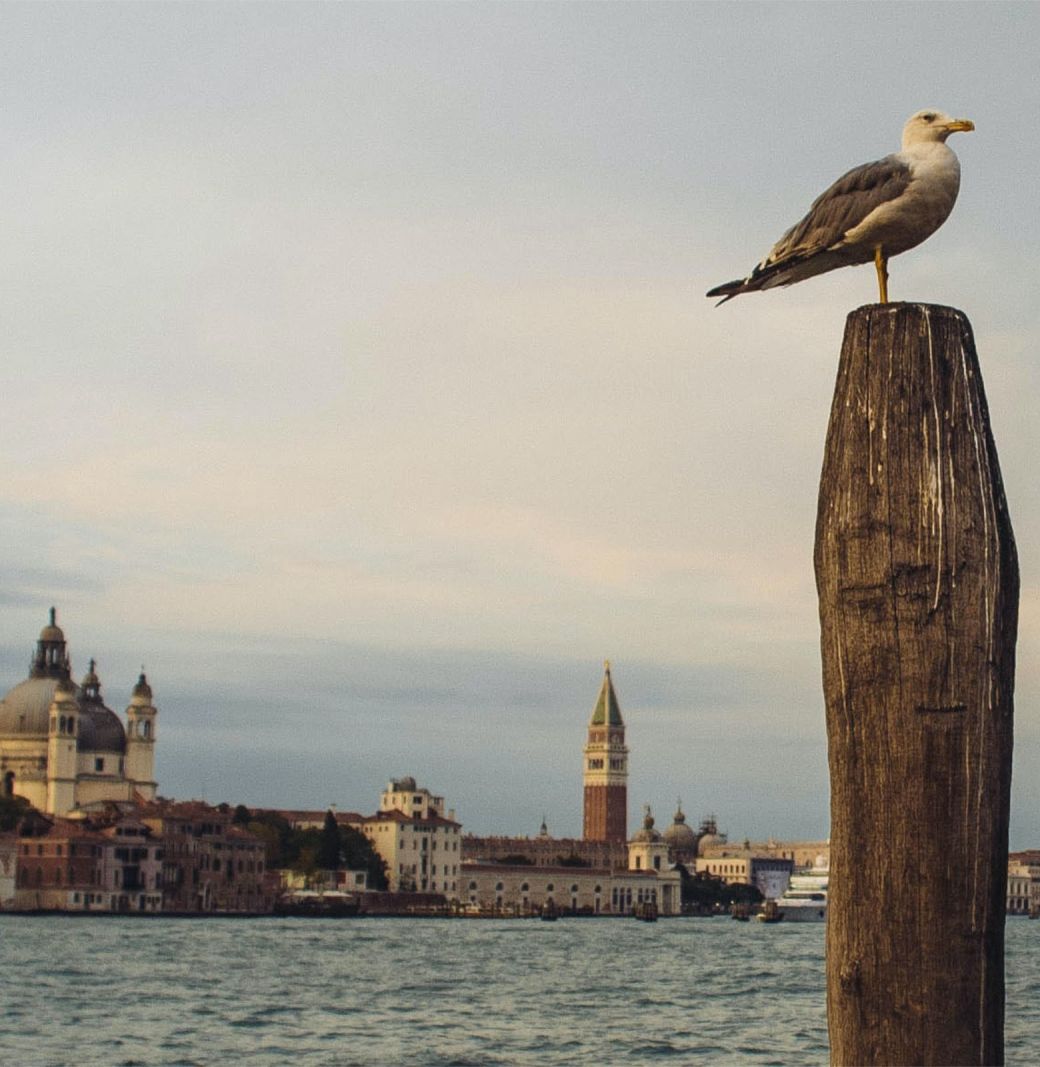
{"x":99,"y":763}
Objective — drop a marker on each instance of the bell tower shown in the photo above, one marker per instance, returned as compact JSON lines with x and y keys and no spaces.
{"x":606,"y":770}
{"x":141,"y":717}
{"x":61,"y":749}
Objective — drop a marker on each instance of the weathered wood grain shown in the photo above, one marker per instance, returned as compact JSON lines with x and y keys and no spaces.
{"x":917,"y":577}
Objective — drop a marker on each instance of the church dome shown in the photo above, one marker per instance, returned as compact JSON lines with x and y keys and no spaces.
{"x":679,"y":836}
{"x":709,"y":835}
{"x":648,"y":833}
{"x":100,"y":730}
{"x":99,"y":727}
{"x":25,"y":710}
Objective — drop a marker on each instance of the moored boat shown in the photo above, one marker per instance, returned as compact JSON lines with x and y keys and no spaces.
{"x":327,"y":905}
{"x":770,"y":913}
{"x":805,"y":899}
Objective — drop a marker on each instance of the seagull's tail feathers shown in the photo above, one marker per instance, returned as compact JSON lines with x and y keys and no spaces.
{"x":764,"y":276}
{"x":794,"y":267}
{"x":728,"y":290}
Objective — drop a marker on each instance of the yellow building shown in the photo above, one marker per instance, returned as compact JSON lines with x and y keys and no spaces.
{"x":61,"y":748}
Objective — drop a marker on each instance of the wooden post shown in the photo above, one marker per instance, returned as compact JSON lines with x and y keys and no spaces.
{"x":918,"y":584}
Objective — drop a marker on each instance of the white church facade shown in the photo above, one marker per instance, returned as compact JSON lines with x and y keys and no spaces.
{"x":61,"y":748}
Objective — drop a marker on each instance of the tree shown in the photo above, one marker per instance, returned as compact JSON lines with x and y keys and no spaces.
{"x":360,"y":855}
{"x":329,"y":854}
{"x":241,"y":816}
{"x":704,"y":891}
{"x":12,"y":810}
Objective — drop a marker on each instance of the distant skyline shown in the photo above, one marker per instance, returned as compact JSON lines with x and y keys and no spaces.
{"x":359,"y":380}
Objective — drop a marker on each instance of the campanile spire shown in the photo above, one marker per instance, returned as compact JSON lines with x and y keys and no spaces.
{"x":606,"y":769}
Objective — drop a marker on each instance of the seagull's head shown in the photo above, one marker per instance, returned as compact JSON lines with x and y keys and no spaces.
{"x":932,"y":125}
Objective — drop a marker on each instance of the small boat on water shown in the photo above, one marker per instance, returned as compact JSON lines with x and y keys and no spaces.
{"x":740,"y":912}
{"x":308,"y":904}
{"x":549,"y":912}
{"x":770,"y":913}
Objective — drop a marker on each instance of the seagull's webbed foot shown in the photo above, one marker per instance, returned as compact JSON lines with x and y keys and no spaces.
{"x":881,"y":264}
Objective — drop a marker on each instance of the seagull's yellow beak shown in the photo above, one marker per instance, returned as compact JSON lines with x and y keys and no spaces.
{"x":960,"y":126}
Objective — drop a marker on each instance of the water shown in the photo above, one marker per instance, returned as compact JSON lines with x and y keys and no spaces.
{"x":431,"y":992}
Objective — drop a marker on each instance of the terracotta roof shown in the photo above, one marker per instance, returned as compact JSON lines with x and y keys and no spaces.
{"x":412,"y":820}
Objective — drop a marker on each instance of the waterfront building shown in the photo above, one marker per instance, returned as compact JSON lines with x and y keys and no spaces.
{"x":420,"y":843}
{"x":545,"y":851}
{"x":209,"y":864}
{"x":629,"y":889}
{"x":518,"y":889}
{"x":736,"y":866}
{"x":605,"y":775}
{"x":60,"y":746}
{"x":8,"y":868}
{"x":1023,"y":883}
{"x":78,"y":864}
{"x":804,"y":855}
{"x":138,"y":858}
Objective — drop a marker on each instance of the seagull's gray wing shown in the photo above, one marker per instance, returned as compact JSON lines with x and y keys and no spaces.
{"x":841,"y":208}
{"x":814,"y":245}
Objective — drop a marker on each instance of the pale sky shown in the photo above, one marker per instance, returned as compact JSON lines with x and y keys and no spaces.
{"x":359,"y":380}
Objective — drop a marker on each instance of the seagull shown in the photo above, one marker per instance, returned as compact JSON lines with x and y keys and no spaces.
{"x":872,"y":213}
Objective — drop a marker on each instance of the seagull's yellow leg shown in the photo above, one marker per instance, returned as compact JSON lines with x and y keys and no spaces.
{"x":881,"y":263}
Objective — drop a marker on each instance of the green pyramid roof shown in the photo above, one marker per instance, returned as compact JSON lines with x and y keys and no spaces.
{"x":607,"y":711}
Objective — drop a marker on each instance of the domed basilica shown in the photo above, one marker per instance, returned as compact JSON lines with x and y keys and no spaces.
{"x":61,"y":748}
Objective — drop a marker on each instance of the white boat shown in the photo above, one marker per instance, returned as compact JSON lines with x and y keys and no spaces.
{"x":805,"y":899}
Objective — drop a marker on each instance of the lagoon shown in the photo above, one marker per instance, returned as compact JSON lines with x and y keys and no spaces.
{"x":135,"y":991}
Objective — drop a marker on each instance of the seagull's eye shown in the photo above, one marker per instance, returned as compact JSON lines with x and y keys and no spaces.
{"x":929,"y":116}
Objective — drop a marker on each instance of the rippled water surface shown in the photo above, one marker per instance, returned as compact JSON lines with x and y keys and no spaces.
{"x":395,"y":991}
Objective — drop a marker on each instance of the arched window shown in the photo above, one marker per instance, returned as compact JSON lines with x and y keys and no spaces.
{"x":9,"y":784}
{"x":146,"y":729}
{"x":499,"y":887}
{"x":523,"y":888}
{"x":472,"y":886}
{"x":549,"y":888}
